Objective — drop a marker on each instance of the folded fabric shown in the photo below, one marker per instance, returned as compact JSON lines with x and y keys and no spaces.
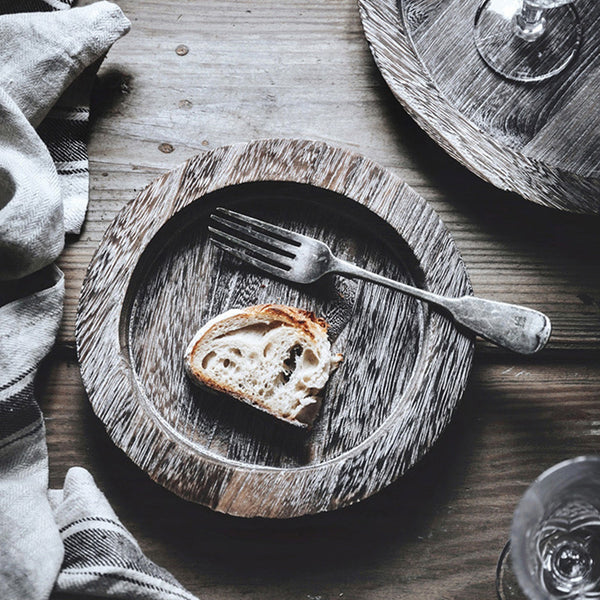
{"x":40,"y":56}
{"x":31,"y":219}
{"x":69,"y":540}
{"x":31,"y":549}
{"x":101,"y":557}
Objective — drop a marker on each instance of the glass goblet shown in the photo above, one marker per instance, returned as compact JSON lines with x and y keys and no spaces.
{"x":527,"y":40}
{"x":554,"y":550}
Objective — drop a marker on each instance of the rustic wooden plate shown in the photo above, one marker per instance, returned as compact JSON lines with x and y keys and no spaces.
{"x":155,"y":279}
{"x":541,"y":140}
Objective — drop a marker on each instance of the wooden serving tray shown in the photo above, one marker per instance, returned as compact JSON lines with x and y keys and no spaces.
{"x":155,"y":279}
{"x":539,"y":140}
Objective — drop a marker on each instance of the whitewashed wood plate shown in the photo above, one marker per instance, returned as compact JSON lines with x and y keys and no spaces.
{"x":541,"y":141}
{"x":155,"y":279}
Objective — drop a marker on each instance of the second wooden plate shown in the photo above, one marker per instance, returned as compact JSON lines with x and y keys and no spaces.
{"x":539,"y":140}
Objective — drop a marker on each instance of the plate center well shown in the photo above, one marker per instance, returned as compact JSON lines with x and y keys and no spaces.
{"x":182,"y":280}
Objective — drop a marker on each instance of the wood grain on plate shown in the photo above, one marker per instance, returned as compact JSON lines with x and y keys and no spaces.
{"x":155,"y":280}
{"x":540,"y":140}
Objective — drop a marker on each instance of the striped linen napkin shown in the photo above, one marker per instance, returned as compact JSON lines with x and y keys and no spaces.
{"x":66,"y":540}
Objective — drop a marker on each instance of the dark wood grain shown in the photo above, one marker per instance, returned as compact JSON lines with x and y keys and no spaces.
{"x":540,"y":140}
{"x":156,"y":279}
{"x":436,"y":531}
{"x":513,"y":251}
{"x":302,"y":68}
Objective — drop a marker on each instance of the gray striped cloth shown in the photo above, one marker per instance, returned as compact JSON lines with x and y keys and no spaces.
{"x":66,"y":540}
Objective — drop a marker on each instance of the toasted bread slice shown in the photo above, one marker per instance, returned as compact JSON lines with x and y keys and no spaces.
{"x":276,"y":358}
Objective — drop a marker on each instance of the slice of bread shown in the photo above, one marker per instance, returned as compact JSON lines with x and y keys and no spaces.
{"x":276,"y":358}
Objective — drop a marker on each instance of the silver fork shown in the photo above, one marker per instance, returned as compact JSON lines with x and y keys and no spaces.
{"x":303,"y":259}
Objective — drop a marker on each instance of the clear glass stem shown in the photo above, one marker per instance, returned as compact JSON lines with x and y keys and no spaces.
{"x":530,"y":23}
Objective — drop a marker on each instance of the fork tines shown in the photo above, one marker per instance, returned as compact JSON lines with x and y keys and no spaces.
{"x":261,"y":244}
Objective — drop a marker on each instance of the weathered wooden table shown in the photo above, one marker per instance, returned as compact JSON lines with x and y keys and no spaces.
{"x":192,"y":76}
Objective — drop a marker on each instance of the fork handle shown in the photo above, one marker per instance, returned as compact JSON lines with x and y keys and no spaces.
{"x":510,"y":326}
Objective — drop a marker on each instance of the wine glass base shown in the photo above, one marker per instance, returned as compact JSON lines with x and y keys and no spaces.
{"x":519,"y":59}
{"x":507,"y":586}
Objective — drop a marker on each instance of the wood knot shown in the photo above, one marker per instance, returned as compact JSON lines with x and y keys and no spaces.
{"x":182,"y":49}
{"x":166,"y":148}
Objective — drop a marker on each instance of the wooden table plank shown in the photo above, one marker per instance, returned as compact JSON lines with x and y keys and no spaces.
{"x":243,"y":77}
{"x":303,"y":69}
{"x":513,"y":252}
{"x":435,"y":533}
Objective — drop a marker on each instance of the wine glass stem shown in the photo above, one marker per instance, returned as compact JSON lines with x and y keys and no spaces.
{"x":530,"y":24}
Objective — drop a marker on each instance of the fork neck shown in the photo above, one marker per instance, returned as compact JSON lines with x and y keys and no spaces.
{"x":350,"y":270}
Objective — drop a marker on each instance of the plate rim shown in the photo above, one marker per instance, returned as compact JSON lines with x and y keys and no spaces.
{"x":285,"y":160}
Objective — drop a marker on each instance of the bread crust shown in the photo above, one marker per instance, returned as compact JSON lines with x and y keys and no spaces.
{"x":306,"y":322}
